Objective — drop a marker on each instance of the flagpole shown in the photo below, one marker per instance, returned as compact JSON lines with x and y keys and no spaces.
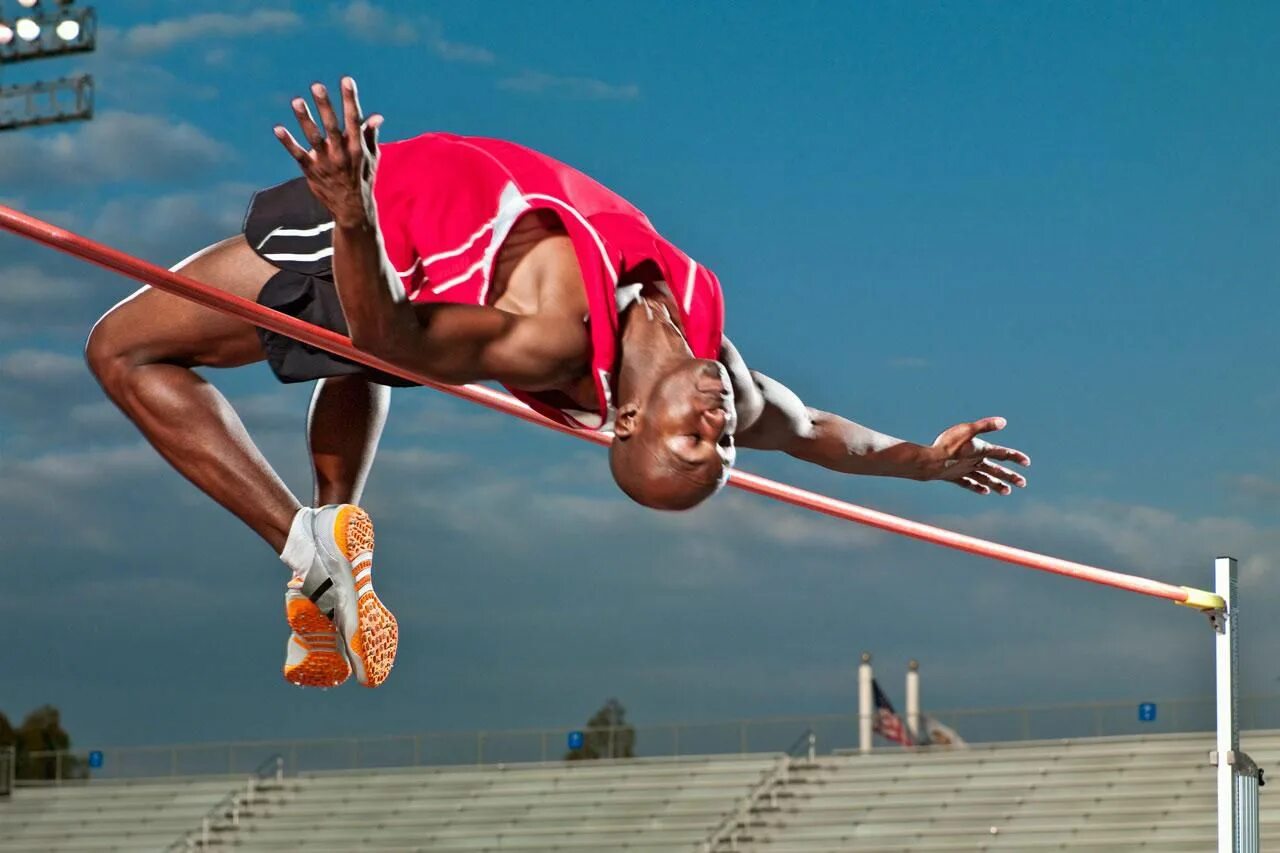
{"x":865,"y":701}
{"x":913,"y":701}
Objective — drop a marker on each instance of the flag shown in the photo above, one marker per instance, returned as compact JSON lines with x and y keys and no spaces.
{"x":935,"y":733}
{"x":886,"y":721}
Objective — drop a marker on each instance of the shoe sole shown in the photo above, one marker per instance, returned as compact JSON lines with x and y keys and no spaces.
{"x":324,"y":664}
{"x":372,"y":647}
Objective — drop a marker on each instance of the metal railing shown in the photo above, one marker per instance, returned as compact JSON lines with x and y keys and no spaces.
{"x":225,"y":815}
{"x":728,"y":828}
{"x":777,"y":734}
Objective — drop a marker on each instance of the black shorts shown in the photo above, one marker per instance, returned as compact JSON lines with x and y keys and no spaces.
{"x":291,"y":230}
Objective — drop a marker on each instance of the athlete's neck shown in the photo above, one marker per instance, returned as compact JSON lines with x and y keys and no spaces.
{"x":652,"y":344}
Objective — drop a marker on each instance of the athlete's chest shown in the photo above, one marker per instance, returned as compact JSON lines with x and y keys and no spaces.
{"x":536,"y":270}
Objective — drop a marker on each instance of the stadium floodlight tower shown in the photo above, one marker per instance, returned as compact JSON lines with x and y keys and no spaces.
{"x":42,"y":29}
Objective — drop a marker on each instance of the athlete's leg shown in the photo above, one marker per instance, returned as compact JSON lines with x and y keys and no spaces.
{"x":346,"y":419}
{"x":143,"y":351}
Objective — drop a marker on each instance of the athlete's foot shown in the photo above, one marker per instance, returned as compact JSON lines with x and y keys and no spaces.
{"x":313,"y":656}
{"x":339,"y":589}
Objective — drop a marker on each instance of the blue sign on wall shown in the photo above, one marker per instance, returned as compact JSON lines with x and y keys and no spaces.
{"x":575,"y":740}
{"x":1147,"y":712}
{"x":95,"y":759}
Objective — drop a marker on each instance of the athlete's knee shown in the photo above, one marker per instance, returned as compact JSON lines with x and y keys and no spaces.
{"x":111,"y":352}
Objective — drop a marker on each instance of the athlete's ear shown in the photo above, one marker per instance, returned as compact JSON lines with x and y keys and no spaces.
{"x":624,"y":422}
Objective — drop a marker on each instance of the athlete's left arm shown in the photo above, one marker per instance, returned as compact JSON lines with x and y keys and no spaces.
{"x":772,"y":417}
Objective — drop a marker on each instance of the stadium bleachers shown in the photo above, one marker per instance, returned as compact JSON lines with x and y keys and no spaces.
{"x":641,"y":804}
{"x":1103,"y":795}
{"x":108,"y":816}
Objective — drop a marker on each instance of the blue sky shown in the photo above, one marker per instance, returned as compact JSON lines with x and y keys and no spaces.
{"x":1065,"y":214}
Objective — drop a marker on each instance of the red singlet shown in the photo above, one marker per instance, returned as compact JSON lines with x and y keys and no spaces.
{"x":446,"y":203}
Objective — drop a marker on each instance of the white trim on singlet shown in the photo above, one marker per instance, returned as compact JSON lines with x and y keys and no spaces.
{"x":295,"y":232}
{"x":604,"y":256}
{"x":688,"y":284}
{"x":443,"y":256}
{"x":511,"y":204}
{"x":410,"y":271}
{"x":459,"y":279}
{"x":593,"y":420}
{"x":440,"y":256}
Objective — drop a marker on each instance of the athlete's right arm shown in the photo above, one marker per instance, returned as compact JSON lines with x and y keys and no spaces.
{"x":454,"y":344}
{"x":457,"y":344}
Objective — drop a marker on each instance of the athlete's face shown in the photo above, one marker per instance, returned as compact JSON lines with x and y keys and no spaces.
{"x":677,"y":445}
{"x":691,"y":411}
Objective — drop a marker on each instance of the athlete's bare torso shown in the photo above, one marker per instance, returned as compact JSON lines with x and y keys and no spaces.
{"x":536,"y":272}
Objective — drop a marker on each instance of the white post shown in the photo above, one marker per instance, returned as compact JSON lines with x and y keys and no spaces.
{"x":865,"y":702}
{"x":913,"y":700}
{"x":1228,"y":735}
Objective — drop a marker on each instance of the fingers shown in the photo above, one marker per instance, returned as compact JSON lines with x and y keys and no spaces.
{"x":328,"y":139}
{"x":306,"y":123}
{"x":1002,"y":473}
{"x":1006,"y":454}
{"x":993,"y":483}
{"x":989,"y":477}
{"x":352,"y":117}
{"x":328,"y":118}
{"x":962,"y":439}
{"x":371,"y":133}
{"x":988,"y":425}
{"x":291,"y":145}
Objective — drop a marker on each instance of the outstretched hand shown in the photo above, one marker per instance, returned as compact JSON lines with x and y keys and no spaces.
{"x":339,"y":167}
{"x":960,"y":457}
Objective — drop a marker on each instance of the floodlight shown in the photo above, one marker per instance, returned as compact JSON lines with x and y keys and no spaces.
{"x":27,"y":29}
{"x":43,"y":31}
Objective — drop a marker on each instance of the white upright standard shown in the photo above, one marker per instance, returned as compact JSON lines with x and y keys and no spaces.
{"x":1238,"y":776}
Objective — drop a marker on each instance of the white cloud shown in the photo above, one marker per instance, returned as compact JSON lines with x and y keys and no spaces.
{"x":1135,"y":539}
{"x":39,"y":366}
{"x":1255,"y":489}
{"x":576,"y":88}
{"x":26,"y":284}
{"x":144,"y":81}
{"x":370,"y":22}
{"x":167,"y":228}
{"x":96,"y":416}
{"x":115,"y":146}
{"x":435,"y":414}
{"x":78,"y":468}
{"x":167,"y":34}
{"x":454,"y":51}
{"x":418,"y":461}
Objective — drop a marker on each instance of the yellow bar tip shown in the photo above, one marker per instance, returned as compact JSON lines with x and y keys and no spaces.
{"x":1202,"y":600}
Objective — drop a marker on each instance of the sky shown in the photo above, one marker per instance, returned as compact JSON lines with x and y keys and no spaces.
{"x":1064,"y":214}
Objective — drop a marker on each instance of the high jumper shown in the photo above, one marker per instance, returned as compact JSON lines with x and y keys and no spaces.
{"x":462,"y":260}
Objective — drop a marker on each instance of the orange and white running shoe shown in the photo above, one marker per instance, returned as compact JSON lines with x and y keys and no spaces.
{"x":313,"y":656}
{"x":339,"y":623}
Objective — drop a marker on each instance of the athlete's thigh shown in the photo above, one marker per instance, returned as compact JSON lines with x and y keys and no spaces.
{"x":153,"y":326}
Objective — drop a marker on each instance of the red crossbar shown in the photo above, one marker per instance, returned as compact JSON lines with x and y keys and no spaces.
{"x":258,"y":315}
